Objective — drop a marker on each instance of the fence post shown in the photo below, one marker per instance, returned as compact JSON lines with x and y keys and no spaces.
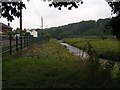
{"x":37,"y":39}
{"x":16,"y":43}
{"x":27,"y":41}
{"x":24,"y":42}
{"x":31,"y":39}
{"x":10,"y":42}
{"x":20,"y":42}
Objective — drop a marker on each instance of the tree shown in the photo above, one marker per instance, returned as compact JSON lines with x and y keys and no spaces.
{"x":115,"y":21}
{"x":11,"y":10}
{"x":65,"y":4}
{"x":18,"y":31}
{"x":115,"y":7}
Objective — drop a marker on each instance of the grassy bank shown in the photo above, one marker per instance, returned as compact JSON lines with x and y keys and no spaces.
{"x":50,"y":65}
{"x":107,"y":49}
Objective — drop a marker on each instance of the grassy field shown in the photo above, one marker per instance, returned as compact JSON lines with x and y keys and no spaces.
{"x":107,"y":49}
{"x":50,"y":65}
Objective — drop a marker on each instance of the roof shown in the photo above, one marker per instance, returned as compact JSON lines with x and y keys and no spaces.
{"x":5,"y":26}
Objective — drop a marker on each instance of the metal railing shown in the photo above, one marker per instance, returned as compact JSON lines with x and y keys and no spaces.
{"x":9,"y":44}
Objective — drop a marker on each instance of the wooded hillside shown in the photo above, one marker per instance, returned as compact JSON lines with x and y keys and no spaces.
{"x":83,"y":28}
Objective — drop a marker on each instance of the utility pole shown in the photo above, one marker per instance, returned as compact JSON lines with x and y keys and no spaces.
{"x":20,"y":17}
{"x":20,"y":25}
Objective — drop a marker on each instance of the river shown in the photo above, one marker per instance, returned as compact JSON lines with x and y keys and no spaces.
{"x":76,"y":51}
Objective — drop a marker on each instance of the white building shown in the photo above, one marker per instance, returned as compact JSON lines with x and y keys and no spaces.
{"x":33,"y":32}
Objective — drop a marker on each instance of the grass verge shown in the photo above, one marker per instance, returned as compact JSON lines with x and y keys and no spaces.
{"x":50,"y":65}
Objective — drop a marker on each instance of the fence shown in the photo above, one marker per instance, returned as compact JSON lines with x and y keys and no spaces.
{"x":9,"y":44}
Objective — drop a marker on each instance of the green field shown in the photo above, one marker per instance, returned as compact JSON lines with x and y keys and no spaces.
{"x":107,"y":49}
{"x":50,"y":65}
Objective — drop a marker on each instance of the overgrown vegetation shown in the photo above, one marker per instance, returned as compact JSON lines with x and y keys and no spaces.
{"x":107,"y":49}
{"x":50,"y":65}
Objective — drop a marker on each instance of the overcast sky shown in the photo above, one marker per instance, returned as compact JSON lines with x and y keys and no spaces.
{"x":89,"y":10}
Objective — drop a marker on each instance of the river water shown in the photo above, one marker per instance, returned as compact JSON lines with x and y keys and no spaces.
{"x":76,"y":51}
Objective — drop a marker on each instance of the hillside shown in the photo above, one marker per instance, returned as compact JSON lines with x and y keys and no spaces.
{"x":83,"y":28}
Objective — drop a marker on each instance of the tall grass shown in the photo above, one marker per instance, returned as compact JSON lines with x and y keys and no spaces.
{"x":50,"y":65}
{"x":107,"y":49}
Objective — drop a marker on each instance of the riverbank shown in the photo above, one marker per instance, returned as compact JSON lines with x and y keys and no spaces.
{"x":82,"y":54}
{"x":106,"y":49}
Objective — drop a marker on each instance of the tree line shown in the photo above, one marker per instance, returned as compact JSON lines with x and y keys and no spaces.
{"x":83,"y":28}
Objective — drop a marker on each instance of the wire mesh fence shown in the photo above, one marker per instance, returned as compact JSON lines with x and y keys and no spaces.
{"x":10,"y":43}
